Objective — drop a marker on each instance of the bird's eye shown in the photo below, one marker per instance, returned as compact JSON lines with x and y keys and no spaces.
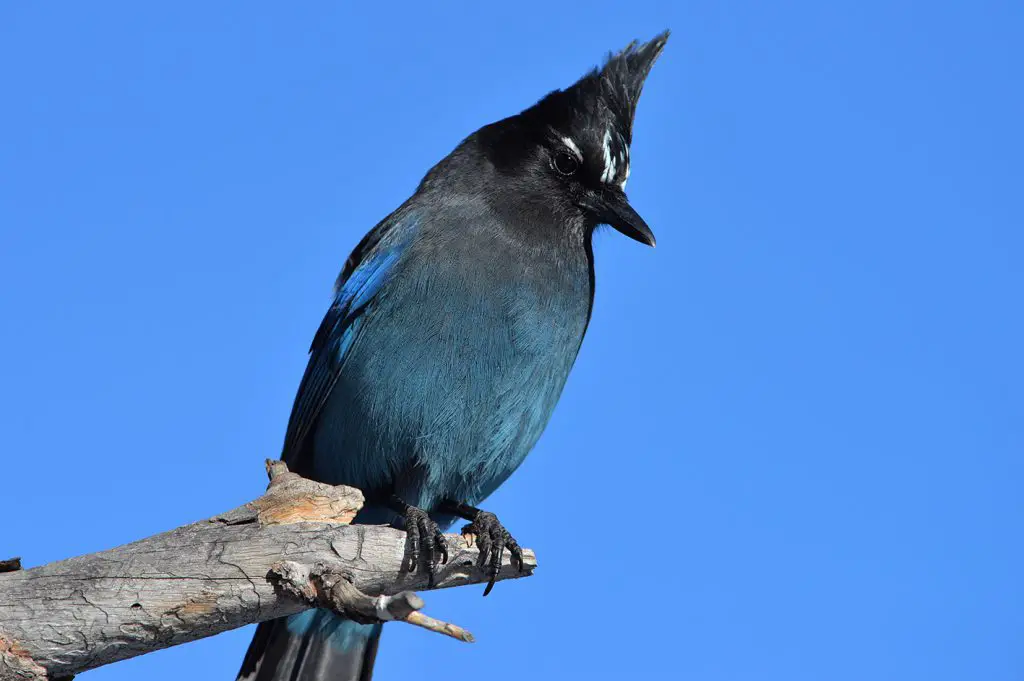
{"x":565,"y":163}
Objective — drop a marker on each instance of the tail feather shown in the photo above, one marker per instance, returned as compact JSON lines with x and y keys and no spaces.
{"x":315,"y":645}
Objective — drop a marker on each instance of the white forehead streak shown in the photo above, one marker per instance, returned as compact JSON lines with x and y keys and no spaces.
{"x":624,"y":158}
{"x":567,"y":141}
{"x":609,"y":164}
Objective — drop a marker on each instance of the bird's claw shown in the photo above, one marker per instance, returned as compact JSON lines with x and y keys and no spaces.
{"x":423,"y":532}
{"x":492,"y":539}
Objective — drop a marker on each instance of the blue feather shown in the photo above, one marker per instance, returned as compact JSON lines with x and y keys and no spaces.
{"x":367,"y":279}
{"x":339,"y":329}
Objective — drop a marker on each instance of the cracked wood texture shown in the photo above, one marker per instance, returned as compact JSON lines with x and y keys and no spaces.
{"x":202,"y":579}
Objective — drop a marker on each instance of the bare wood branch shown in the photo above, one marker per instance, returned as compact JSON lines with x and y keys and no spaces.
{"x":286,"y":551}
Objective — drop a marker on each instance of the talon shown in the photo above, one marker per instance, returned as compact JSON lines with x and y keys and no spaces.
{"x":421,"y":531}
{"x":428,"y":548}
{"x":436,"y":546}
{"x":497,"y":553}
{"x":483,"y":543}
{"x":517,"y":554}
{"x":442,"y":544}
{"x":412,"y":531}
{"x":491,"y":539}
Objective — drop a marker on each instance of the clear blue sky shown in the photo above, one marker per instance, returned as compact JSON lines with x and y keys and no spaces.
{"x":806,"y":402}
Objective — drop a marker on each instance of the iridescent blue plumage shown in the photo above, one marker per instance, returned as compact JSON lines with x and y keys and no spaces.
{"x":454,"y":326}
{"x":339,"y":328}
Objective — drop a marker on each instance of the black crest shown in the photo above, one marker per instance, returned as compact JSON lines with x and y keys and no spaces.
{"x":606,"y":95}
{"x":593,"y":118}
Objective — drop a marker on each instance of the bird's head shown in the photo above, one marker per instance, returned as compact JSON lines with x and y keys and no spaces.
{"x":575,"y":142}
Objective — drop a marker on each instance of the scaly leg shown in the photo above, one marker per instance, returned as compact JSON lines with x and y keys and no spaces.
{"x":491,"y":538}
{"x":421,"y":529}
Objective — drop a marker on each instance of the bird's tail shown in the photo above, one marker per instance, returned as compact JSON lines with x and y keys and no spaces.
{"x":315,"y":645}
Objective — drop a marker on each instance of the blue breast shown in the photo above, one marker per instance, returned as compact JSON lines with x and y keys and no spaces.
{"x":445,"y":354}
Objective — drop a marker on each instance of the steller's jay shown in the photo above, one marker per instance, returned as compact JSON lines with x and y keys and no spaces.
{"x":454,"y":325}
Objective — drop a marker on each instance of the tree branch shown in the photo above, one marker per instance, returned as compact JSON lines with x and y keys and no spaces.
{"x":286,"y":551}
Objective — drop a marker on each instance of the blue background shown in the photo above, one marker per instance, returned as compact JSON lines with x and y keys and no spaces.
{"x":800,"y":414}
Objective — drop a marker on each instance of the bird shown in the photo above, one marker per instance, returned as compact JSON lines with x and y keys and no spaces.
{"x":454,"y":325}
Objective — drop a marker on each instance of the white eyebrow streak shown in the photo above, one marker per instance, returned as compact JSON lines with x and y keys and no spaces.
{"x":567,"y":141}
{"x":609,"y":164}
{"x":624,"y":159}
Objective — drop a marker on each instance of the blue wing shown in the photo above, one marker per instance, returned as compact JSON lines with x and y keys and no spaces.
{"x":368,"y":269}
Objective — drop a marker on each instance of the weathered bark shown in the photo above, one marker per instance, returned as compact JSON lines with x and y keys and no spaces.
{"x":278,"y":555}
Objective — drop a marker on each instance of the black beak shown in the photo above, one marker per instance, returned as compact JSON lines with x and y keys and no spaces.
{"x":612,"y":208}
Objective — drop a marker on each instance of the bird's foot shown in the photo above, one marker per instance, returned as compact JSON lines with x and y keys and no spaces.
{"x":424,"y":539}
{"x":492,"y":539}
